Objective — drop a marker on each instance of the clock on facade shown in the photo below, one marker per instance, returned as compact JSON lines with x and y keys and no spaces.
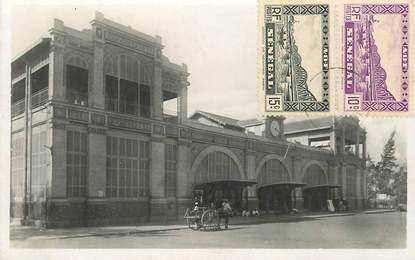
{"x":275,"y":128}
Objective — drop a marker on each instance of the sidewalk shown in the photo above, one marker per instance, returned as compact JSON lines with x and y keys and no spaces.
{"x":18,"y":232}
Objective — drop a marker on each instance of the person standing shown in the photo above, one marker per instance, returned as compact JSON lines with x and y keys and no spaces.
{"x":227,"y":210}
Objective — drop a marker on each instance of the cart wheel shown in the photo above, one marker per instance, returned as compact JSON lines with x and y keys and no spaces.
{"x":210,"y":220}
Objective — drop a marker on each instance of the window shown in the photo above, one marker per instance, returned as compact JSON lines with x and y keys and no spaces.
{"x":128,"y":97}
{"x":145,"y":109}
{"x":77,"y":85}
{"x":111,"y":93}
{"x":144,"y":182}
{"x":127,"y":177}
{"x":123,"y":92}
{"x":39,"y":165}
{"x":18,"y":97}
{"x":217,"y":166}
{"x":17,"y":168}
{"x":76,"y":162}
{"x":40,"y":83}
{"x":170,"y":170}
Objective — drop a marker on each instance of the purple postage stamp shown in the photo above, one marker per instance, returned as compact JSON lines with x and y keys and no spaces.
{"x":376,"y":57}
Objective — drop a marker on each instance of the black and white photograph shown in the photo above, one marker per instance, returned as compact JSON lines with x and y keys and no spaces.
{"x":135,"y":126}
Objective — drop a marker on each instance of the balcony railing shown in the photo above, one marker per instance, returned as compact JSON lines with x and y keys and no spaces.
{"x":18,"y":108}
{"x":39,"y":98}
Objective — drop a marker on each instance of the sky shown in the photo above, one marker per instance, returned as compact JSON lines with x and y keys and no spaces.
{"x":218,"y":42}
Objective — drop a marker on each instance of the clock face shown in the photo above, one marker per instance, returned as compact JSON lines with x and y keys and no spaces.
{"x":275,"y":128}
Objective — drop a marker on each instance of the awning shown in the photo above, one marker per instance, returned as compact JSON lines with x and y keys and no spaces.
{"x":321,"y":186}
{"x":276,"y":184}
{"x":232,"y":183}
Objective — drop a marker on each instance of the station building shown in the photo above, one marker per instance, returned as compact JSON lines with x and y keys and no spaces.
{"x":95,"y":142}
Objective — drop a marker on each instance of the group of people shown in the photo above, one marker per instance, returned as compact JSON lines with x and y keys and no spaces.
{"x":223,"y":212}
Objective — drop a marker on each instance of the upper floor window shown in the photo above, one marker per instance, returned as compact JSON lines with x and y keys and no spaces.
{"x":124,"y":92}
{"x":77,"y":85}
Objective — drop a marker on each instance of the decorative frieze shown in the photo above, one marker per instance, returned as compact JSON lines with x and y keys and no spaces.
{"x":158,"y":129}
{"x":59,"y":112}
{"x":129,"y":43}
{"x":172,"y":131}
{"x":78,"y":115}
{"x":97,"y":119}
{"x":128,"y":123}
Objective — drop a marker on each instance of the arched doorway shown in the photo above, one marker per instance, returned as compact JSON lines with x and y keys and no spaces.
{"x":316,"y":191}
{"x":275,"y":187}
{"x":218,"y":176}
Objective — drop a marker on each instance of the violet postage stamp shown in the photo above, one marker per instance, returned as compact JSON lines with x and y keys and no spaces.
{"x":295,"y":72}
{"x":376,"y":57}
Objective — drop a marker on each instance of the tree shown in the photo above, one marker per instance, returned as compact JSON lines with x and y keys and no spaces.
{"x":386,"y":167}
{"x":372,"y":181}
{"x":400,"y":184}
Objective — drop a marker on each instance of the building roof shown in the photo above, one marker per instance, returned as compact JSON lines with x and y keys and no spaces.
{"x":310,"y":124}
{"x":221,"y":120}
{"x":250,"y":122}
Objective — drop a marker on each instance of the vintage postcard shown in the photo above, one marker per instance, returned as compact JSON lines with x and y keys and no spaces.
{"x":376,"y":46}
{"x":296,"y":58}
{"x":132,"y":129}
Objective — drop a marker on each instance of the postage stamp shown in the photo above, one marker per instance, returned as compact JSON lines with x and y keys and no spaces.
{"x":376,"y":57}
{"x":295,"y":57}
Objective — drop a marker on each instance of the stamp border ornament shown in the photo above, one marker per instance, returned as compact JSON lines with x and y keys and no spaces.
{"x":378,"y":99}
{"x":302,"y":100}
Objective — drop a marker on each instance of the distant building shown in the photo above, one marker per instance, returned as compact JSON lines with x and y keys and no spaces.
{"x":94,"y":143}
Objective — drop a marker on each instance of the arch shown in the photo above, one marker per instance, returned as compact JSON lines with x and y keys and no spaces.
{"x":272,"y":157}
{"x":316,"y":168}
{"x":212,"y":149}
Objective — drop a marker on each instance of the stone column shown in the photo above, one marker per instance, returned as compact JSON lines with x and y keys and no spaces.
{"x":97,"y":90}
{"x":56,"y":63}
{"x":358,"y":188}
{"x":157,"y":93}
{"x":344,"y":180}
{"x":58,"y":164}
{"x":297,"y":177}
{"x":250,"y":169}
{"x":184,"y":177}
{"x":158,"y":201}
{"x":364,"y":147}
{"x":182,"y":105}
{"x":96,"y":178}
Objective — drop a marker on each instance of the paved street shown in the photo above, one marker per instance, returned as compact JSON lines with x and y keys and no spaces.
{"x":380,"y":230}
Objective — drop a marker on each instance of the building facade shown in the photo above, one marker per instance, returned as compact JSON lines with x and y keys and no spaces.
{"x":94,"y":140}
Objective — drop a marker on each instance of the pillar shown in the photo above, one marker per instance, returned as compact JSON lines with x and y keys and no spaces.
{"x":158,"y":201}
{"x":184,"y":177}
{"x":96,"y":178}
{"x":157,"y":98}
{"x":96,"y":92}
{"x":358,"y":188}
{"x":250,"y":170}
{"x":182,"y":105}
{"x":344,"y":180}
{"x":58,"y":164}
{"x":56,"y":63}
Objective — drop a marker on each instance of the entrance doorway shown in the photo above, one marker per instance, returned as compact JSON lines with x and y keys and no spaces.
{"x":277,"y":197}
